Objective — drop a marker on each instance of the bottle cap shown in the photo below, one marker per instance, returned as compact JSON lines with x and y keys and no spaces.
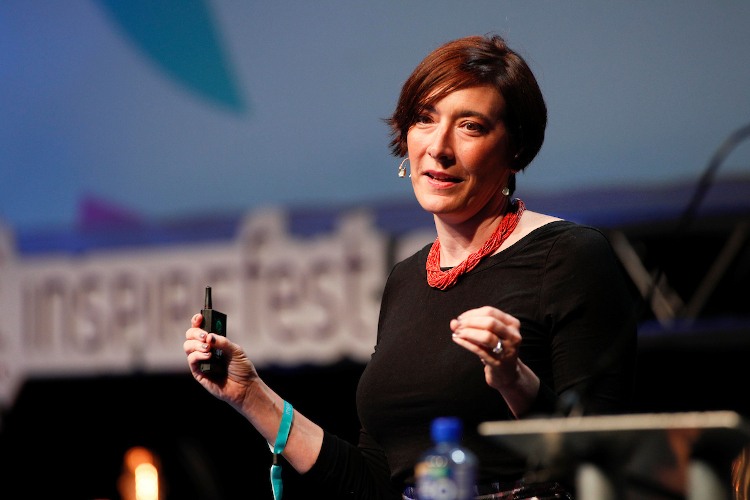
{"x":446,"y":429}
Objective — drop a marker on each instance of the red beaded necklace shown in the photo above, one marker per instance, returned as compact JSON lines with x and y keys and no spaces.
{"x":437,"y":278}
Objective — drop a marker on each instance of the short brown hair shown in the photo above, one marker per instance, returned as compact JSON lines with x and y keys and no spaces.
{"x":468,"y":62}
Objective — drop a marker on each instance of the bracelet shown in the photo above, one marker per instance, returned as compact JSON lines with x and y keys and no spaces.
{"x":281,"y":437}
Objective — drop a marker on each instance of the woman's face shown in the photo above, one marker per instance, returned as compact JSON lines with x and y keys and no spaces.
{"x":458,"y":154}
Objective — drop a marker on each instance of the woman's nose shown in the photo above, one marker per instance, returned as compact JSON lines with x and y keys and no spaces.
{"x":441,"y":147}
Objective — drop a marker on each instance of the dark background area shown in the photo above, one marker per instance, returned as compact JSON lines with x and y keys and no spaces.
{"x":66,"y":438}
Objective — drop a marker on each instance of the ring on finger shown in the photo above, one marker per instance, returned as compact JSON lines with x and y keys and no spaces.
{"x":498,"y":348}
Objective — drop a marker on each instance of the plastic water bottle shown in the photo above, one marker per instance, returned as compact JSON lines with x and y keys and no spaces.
{"x":447,"y":471}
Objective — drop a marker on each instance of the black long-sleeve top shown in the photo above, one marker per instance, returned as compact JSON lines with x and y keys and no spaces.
{"x":578,"y":326}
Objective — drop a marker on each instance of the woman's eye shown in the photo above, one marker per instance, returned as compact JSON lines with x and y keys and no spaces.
{"x":424,"y":119}
{"x":474,"y":127}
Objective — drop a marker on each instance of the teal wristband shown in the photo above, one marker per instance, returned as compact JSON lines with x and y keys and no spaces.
{"x":281,"y":437}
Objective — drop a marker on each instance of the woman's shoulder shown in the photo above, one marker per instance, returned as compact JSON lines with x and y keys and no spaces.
{"x":530,"y":223}
{"x":534,"y":220}
{"x":415,"y":261}
{"x":564,"y":232}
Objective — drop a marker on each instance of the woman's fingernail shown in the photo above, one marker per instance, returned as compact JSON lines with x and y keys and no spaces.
{"x":202,"y":335}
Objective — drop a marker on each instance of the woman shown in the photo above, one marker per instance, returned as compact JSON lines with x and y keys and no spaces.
{"x":508,"y":314}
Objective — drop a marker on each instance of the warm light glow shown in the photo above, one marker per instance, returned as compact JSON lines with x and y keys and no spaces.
{"x":146,"y":482}
{"x":140,"y":475}
{"x":137,"y":456}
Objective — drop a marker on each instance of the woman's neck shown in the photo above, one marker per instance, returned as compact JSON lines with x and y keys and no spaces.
{"x":458,"y":240}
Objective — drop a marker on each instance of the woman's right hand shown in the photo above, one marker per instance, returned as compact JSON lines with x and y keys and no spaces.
{"x":243,"y":388}
{"x":241,"y":374}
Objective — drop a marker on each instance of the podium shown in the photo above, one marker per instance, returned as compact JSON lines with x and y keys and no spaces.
{"x":634,"y":456}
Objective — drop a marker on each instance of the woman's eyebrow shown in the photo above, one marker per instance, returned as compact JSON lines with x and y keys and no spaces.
{"x":463,"y":113}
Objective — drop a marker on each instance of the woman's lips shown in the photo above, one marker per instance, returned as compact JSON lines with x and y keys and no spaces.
{"x":441,"y":180}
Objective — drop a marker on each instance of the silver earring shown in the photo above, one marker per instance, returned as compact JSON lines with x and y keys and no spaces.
{"x":505,"y":191}
{"x":402,"y":168}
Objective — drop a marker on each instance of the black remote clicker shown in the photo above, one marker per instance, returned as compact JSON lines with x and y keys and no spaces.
{"x":213,"y":322}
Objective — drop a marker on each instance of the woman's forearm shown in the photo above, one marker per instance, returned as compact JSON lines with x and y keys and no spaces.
{"x":263,"y":408}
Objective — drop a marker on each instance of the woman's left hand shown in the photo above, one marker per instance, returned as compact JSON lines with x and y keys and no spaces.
{"x":494,"y":336}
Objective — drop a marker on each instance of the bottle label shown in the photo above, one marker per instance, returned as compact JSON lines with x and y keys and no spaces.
{"x":438,"y":481}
